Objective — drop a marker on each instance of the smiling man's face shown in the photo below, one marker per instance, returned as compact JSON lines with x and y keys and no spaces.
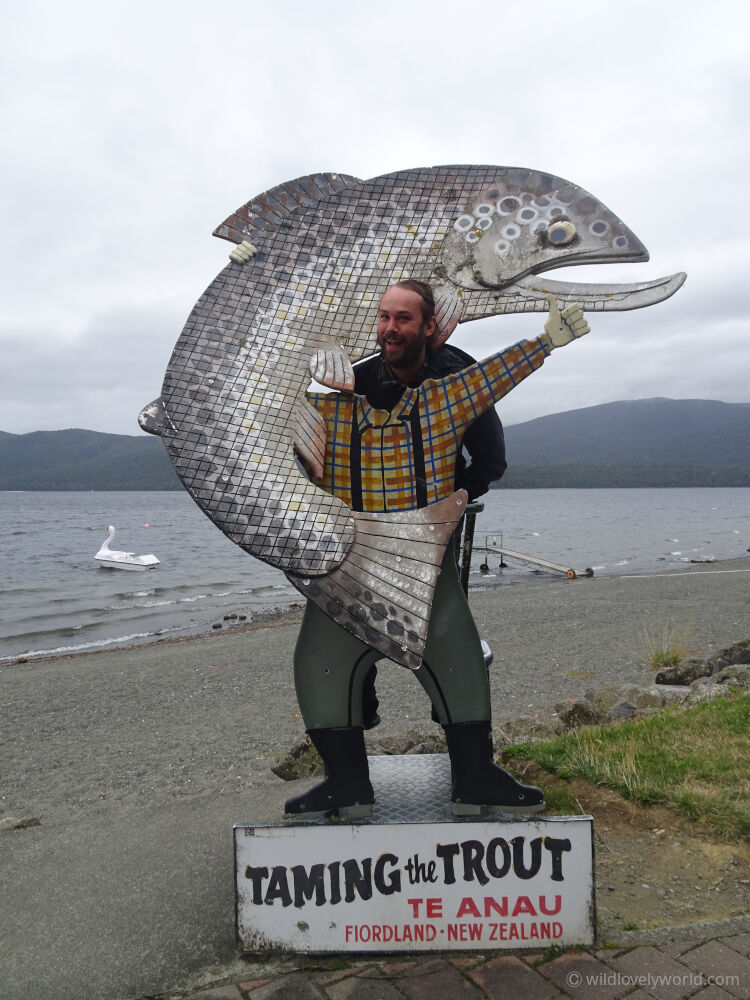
{"x":402,"y":331}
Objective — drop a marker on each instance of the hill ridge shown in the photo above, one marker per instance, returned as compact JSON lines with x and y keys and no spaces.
{"x":638,"y":442}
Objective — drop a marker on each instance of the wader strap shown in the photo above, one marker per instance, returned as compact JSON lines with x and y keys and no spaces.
{"x":420,"y":481}
{"x":355,"y":463}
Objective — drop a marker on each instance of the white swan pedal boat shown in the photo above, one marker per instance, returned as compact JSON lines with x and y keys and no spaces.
{"x":112,"y":559}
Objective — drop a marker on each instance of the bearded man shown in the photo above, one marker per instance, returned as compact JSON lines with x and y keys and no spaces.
{"x":405,"y":457}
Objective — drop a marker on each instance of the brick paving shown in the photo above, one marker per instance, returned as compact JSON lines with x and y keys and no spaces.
{"x":673,"y":980}
{"x":717,"y":969}
{"x":584,"y":976}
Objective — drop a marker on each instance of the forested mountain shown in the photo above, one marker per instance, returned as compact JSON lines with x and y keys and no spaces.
{"x":643,"y":442}
{"x":84,"y":460}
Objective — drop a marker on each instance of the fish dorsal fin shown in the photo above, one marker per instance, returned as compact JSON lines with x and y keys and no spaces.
{"x":154,"y":419}
{"x":309,"y":435}
{"x":331,"y":367}
{"x":269,"y":209}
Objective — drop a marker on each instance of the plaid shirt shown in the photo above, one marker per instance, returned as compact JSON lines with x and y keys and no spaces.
{"x":382,"y":461}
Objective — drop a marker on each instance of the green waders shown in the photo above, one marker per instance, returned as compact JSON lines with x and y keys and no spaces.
{"x":330,"y":664}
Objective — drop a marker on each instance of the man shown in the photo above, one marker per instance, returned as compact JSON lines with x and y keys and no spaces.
{"x":406,"y":327}
{"x":380,"y":460}
{"x":407,"y":359}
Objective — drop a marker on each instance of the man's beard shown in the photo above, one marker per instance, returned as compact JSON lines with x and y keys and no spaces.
{"x":412,"y":354}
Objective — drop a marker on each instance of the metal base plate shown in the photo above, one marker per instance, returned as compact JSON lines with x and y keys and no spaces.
{"x":412,"y":788}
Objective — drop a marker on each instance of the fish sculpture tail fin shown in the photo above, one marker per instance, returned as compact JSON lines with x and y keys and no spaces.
{"x":382,"y":591}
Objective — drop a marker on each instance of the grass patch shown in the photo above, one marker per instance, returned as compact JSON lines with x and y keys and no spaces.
{"x":668,"y":649}
{"x":560,"y":801}
{"x":696,"y":759}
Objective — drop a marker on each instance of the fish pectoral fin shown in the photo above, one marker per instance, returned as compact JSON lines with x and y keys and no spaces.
{"x":331,"y":367}
{"x":449,"y":307}
{"x":154,"y":418}
{"x":309,"y":436}
{"x":382,"y":590}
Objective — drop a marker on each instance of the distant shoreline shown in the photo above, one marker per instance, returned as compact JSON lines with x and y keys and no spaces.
{"x":292,"y":614}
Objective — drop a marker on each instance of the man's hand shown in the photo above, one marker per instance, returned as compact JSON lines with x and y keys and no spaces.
{"x":562,"y":327}
{"x":243,"y":252}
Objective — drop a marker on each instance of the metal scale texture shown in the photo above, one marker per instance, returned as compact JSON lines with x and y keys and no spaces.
{"x":232,"y":412}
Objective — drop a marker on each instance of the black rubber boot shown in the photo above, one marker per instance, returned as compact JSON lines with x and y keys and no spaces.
{"x":477,"y":781}
{"x":346,"y":790}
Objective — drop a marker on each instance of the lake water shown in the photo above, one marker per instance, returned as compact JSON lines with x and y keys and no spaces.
{"x":55,"y":598}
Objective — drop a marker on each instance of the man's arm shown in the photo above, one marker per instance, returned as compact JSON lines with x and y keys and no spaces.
{"x":474,"y":390}
{"x":484,"y":440}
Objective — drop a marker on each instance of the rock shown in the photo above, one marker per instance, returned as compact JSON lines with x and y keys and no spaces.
{"x":394,"y":745}
{"x":677,"y":692}
{"x":738,"y":675}
{"x":738,"y":653}
{"x":703,"y":692}
{"x":302,"y":761}
{"x":684,"y":673}
{"x":717,"y":664}
{"x":602,"y":699}
{"x":19,"y":822}
{"x":647,"y":697}
{"x":574,"y":714}
{"x":434,"y":743}
{"x":529,"y":729}
{"x":622,"y":710}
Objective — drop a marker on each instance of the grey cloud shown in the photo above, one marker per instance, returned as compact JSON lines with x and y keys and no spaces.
{"x":130,"y":130}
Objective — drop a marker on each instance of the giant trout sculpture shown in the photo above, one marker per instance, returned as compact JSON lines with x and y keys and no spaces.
{"x":299,"y":299}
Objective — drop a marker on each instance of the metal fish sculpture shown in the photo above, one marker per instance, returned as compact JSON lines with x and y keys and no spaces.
{"x":325,"y":248}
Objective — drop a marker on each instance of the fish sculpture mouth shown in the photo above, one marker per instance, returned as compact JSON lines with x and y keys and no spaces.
{"x":592,"y":257}
{"x":521,"y":294}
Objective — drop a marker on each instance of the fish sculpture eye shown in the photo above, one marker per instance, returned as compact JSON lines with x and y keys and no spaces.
{"x":561,"y":232}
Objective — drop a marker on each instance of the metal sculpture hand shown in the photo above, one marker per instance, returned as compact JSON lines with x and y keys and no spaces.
{"x":562,"y":327}
{"x":243,"y":252}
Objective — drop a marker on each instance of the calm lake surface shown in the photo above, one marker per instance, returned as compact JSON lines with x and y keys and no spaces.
{"x":55,"y":598}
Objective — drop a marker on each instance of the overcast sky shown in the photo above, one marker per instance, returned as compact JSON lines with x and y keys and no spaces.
{"x":129,"y":130}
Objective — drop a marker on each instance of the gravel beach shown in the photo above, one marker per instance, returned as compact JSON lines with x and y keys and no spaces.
{"x":136,"y":762}
{"x":175,"y":718}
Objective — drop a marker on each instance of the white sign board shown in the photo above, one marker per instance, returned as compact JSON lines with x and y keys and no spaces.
{"x":415,"y":886}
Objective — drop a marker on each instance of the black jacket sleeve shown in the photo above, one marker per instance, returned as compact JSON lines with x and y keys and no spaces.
{"x":485,"y":443}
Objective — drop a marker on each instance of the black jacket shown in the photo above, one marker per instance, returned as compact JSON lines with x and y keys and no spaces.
{"x":484,"y":441}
